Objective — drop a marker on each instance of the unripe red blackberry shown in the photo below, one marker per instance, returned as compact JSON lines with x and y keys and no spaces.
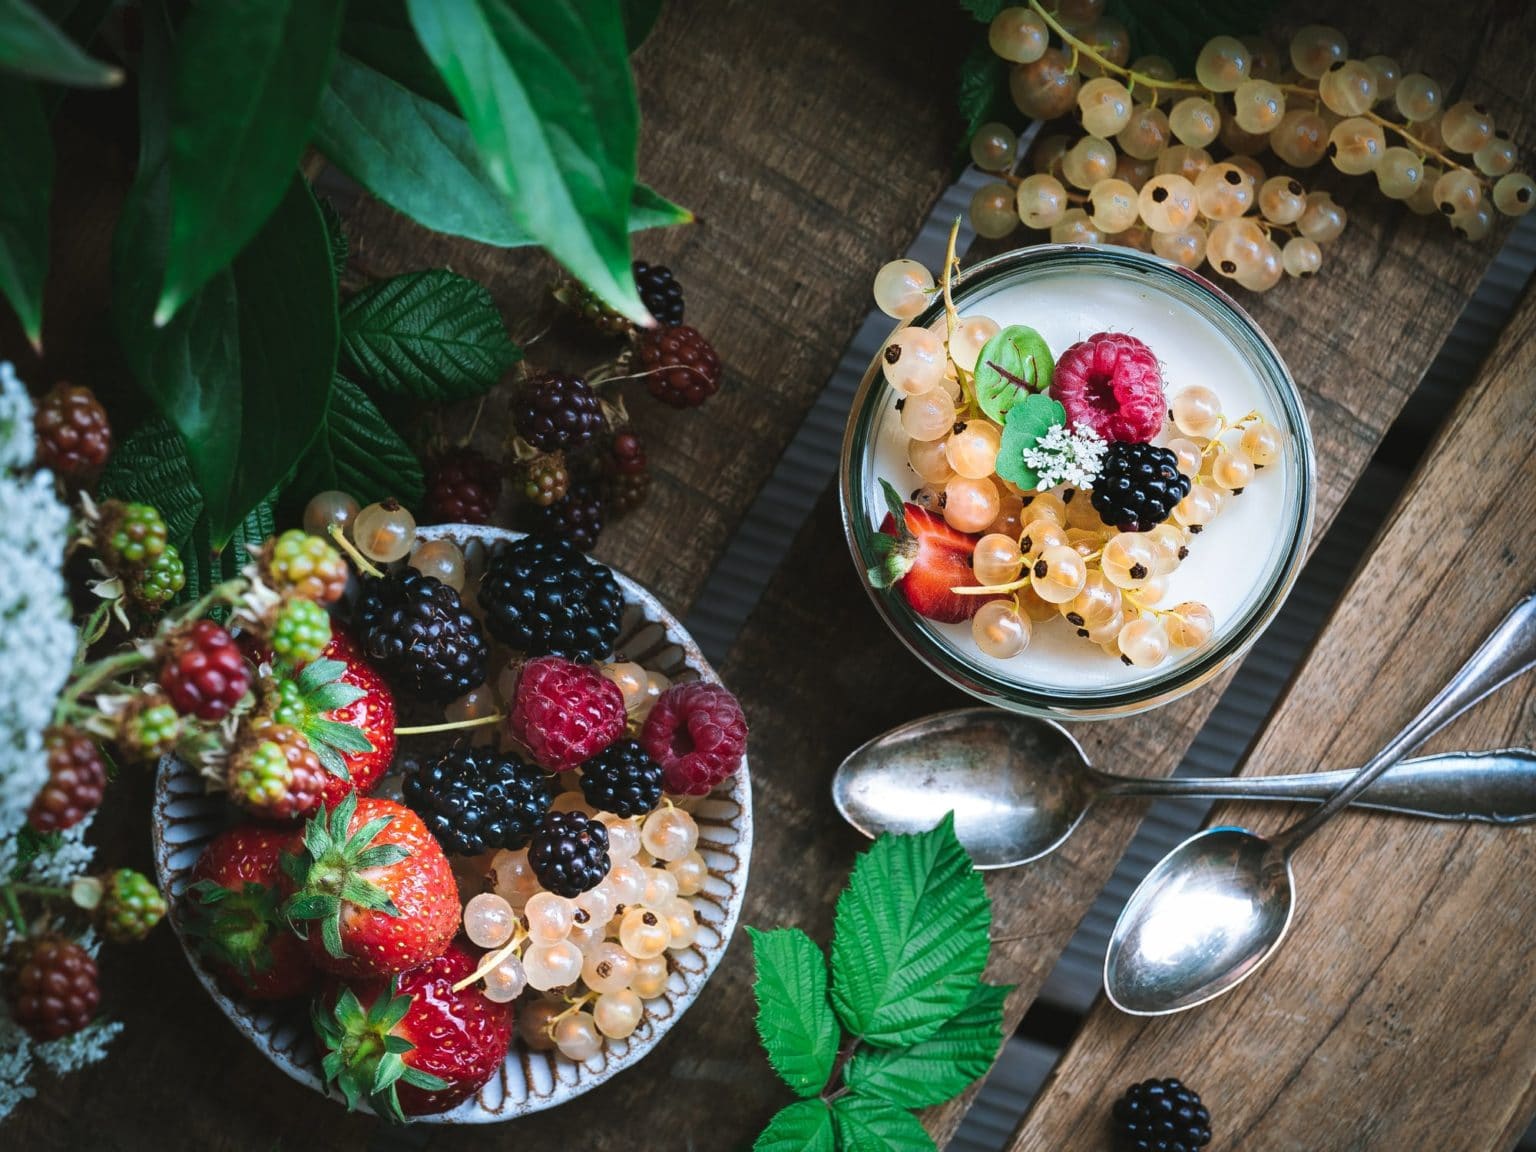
{"x":74,"y":437}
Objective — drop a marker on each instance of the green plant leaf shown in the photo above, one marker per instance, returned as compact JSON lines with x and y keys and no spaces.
{"x":150,"y":467}
{"x":985,"y":10}
{"x":940,"y":1067}
{"x":1178,"y":29}
{"x":805,"y":1126}
{"x":1012,"y":364}
{"x":32,"y":45}
{"x":379,"y":34}
{"x":1028,"y":420}
{"x":547,"y":90}
{"x":206,"y":566}
{"x":421,"y":160}
{"x":359,"y":453}
{"x":794,"y":1019}
{"x":868,"y":1125}
{"x":982,"y":94}
{"x":639,"y":18}
{"x":248,"y":75}
{"x":26,"y":185}
{"x":911,"y":937}
{"x":432,"y":335}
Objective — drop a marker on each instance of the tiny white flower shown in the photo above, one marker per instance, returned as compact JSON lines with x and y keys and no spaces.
{"x":1065,"y":455}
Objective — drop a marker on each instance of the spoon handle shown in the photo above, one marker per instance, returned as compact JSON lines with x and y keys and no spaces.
{"x":1496,"y":787}
{"x":1509,"y":650}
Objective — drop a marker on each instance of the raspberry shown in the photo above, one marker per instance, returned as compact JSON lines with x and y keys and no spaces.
{"x":131,"y":905}
{"x":556,"y":411}
{"x":307,"y":566}
{"x":583,"y":303}
{"x":1111,"y":383}
{"x":660,"y":292}
{"x":203,"y":673}
{"x":1138,"y":486}
{"x":578,"y":518}
{"x":418,"y":630}
{"x":156,"y":584}
{"x":131,"y":534}
{"x":569,"y":853}
{"x":543,"y":598}
{"x":275,"y":773}
{"x":51,"y":986}
{"x":462,"y":488}
{"x":683,"y":367}
{"x":1162,"y":1115}
{"x":74,"y":437}
{"x":301,"y":631}
{"x":150,"y":727}
{"x":546,"y":479}
{"x":474,"y":800}
{"x":697,"y":733}
{"x":564,"y":713}
{"x":77,"y":778}
{"x":622,"y":779}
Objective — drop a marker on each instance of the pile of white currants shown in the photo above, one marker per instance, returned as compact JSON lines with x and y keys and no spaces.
{"x":1141,"y":174}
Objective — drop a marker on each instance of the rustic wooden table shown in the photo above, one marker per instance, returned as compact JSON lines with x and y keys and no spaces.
{"x":811,"y":140}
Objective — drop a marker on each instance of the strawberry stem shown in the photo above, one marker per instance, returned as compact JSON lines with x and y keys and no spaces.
{"x":450,"y":726}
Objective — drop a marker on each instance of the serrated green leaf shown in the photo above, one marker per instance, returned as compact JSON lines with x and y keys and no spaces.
{"x":546,"y":89}
{"x":1014,"y":363}
{"x":869,"y":1125}
{"x":911,"y":937}
{"x":331,"y":761}
{"x":358,"y":452}
{"x":342,"y":737}
{"x":805,"y":1126}
{"x":335,"y":234}
{"x":333,"y":696}
{"x":433,"y":335}
{"x":247,"y":77}
{"x":31,"y":45}
{"x":1028,"y":420}
{"x":150,"y":467}
{"x":318,"y":673}
{"x":940,"y":1067}
{"x":794,"y":1020}
{"x":26,"y":184}
{"x":639,"y":18}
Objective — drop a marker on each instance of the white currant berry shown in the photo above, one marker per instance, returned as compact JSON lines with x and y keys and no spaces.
{"x":488,"y":920}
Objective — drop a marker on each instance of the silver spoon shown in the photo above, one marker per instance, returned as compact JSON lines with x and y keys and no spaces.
{"x":1020,"y":786}
{"x":1218,"y":906}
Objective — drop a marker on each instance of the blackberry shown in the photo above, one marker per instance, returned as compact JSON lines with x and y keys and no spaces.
{"x":157,"y":583}
{"x":578,"y":518}
{"x":546,"y":479}
{"x":623,"y":493}
{"x":462,"y":489}
{"x":543,"y":598}
{"x":131,"y":534}
{"x":556,"y":411}
{"x":682,"y":367}
{"x":569,"y":853}
{"x":77,"y":779}
{"x":622,"y":779}
{"x":1161,"y":1115}
{"x":660,"y":292}
{"x":475,"y":800}
{"x":74,"y":437}
{"x":584,"y":304}
{"x":51,"y":984}
{"x":420,"y":634}
{"x":1138,"y":486}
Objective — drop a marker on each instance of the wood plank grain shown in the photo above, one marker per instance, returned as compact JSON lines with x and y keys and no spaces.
{"x":1399,"y":1013}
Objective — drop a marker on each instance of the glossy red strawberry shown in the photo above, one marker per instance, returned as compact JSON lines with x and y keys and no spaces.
{"x":343,"y":707}
{"x":371,"y":889}
{"x":924,"y":559}
{"x":233,"y":914}
{"x":411,"y":1045}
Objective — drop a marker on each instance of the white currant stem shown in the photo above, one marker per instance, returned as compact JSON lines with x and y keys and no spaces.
{"x":362,"y":562}
{"x":450,"y":726}
{"x":492,"y":959}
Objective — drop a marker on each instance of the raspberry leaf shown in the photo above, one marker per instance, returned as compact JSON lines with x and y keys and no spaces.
{"x":151,"y":467}
{"x":1028,"y":420}
{"x":432,"y":335}
{"x":357,"y":451}
{"x":1014,"y":363}
{"x":868,"y":1125}
{"x":805,"y":1126}
{"x":910,"y":939}
{"x":794,"y":1019}
{"x":933,"y":1070}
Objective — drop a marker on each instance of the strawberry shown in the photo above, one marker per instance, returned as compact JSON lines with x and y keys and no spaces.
{"x":412,"y":1044}
{"x":924,"y":560}
{"x":378,"y":883}
{"x":232,"y":912}
{"x":341,"y":705}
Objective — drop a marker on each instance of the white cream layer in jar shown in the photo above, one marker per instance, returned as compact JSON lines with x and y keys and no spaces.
{"x":1230,"y":561}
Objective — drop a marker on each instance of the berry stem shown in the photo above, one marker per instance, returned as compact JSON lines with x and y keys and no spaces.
{"x":491,"y":959}
{"x":992,"y":589}
{"x":94,"y":628}
{"x":13,"y":909}
{"x":362,"y":562}
{"x":95,"y":675}
{"x":450,"y":726}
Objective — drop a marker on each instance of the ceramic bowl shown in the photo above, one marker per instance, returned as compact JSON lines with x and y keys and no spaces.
{"x":186,"y":817}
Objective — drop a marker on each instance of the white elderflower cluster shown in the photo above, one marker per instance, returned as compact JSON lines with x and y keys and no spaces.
{"x":1067,"y":456}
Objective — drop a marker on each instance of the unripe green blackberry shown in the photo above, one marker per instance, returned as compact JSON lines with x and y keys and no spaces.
{"x":301,"y":631}
{"x":131,"y":905}
{"x":131,"y":534}
{"x":157,"y":583}
{"x":307,"y":566}
{"x":150,"y":728}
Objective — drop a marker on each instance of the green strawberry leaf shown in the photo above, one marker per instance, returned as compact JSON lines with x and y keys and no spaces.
{"x":432,"y":335}
{"x":794,"y":1019}
{"x":26,"y":184}
{"x":894,"y":554}
{"x":342,"y":737}
{"x":1012,"y":364}
{"x":318,"y":673}
{"x":358,"y":452}
{"x":805,"y":1126}
{"x":911,"y":937}
{"x":867,"y":1125}
{"x":31,"y":45}
{"x":334,"y":696}
{"x":940,"y":1067}
{"x":1028,"y":420}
